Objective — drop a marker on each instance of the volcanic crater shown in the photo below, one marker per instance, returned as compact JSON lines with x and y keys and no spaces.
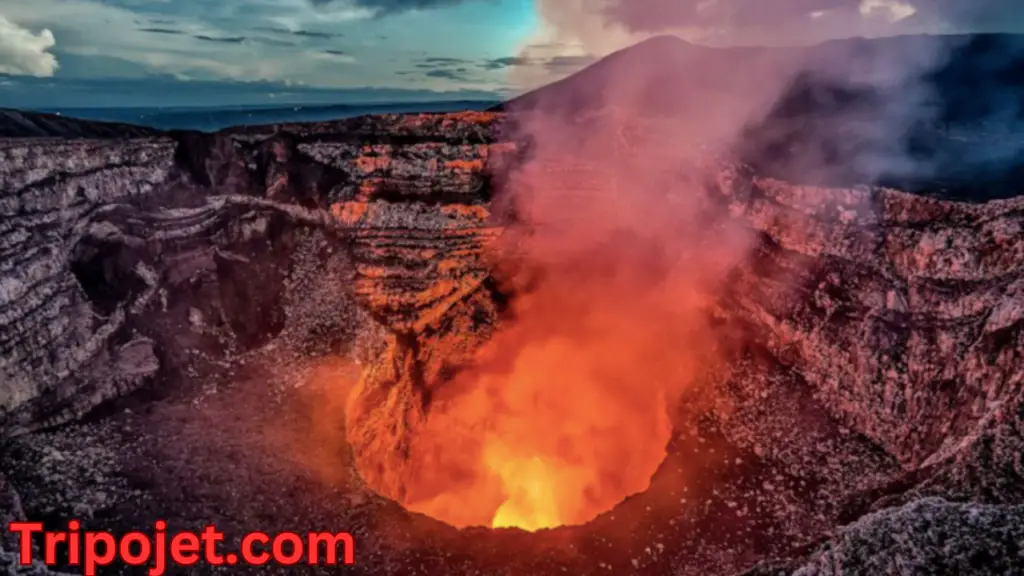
{"x":484,"y":354}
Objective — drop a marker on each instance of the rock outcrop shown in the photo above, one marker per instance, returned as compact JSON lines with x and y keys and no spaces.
{"x":902,"y":541}
{"x":907,"y":318}
{"x":103,"y":239}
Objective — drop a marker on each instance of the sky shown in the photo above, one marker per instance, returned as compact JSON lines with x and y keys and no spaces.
{"x":177,"y":52}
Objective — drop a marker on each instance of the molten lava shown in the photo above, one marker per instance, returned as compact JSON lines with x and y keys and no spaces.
{"x":530,"y":485}
{"x":564,"y":410}
{"x":565,"y":415}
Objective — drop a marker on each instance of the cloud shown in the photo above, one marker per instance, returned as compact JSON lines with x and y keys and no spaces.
{"x":217,"y":39}
{"x":442,"y":61}
{"x":560,"y":65}
{"x":602,"y":26}
{"x":388,"y":7}
{"x":569,"y":64}
{"x":222,"y":39}
{"x":455,"y":74}
{"x":336,"y":56}
{"x":571,"y":32}
{"x":275,"y":42}
{"x":505,"y":62}
{"x":891,"y":10}
{"x":252,"y":40}
{"x":659,"y":15}
{"x":171,"y":31}
{"x":318,"y":35}
{"x":23,"y":52}
{"x":300,"y":32}
{"x":461,"y":70}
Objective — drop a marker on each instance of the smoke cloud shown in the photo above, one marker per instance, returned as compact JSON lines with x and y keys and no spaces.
{"x":23,"y":52}
{"x":616,"y":246}
{"x":614,"y":250}
{"x":783,"y":22}
{"x":877,"y":107}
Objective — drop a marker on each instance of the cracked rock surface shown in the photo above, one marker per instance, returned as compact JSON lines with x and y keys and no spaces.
{"x":183,"y":315}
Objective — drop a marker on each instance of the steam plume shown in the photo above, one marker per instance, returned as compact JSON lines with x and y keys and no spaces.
{"x":616,"y":246}
{"x":614,"y":255}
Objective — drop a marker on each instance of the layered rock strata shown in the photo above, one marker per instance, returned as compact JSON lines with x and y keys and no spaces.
{"x":101,"y":238}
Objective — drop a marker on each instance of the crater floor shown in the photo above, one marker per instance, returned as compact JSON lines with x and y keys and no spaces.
{"x":260,"y":453}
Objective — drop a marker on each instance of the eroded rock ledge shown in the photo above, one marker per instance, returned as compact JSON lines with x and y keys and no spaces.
{"x":902,"y":337}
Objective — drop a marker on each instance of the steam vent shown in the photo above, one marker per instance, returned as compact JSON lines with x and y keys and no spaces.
{"x":522,"y":341}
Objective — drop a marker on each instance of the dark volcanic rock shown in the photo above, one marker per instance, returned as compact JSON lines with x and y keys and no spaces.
{"x":879,"y":371}
{"x":102,"y":236}
{"x":927,"y":537}
{"x":915,"y":293}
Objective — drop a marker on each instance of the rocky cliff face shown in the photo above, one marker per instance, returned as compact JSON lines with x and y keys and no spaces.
{"x":105,"y":239}
{"x":907,"y":320}
{"x":880,"y":360}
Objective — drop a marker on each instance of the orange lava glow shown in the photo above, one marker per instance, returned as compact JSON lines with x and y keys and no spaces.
{"x":530,"y":486}
{"x":567,"y":409}
{"x":562,"y":449}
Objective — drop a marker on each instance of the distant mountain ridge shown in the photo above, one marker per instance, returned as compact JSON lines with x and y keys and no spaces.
{"x":210,"y":119}
{"x":19,"y":124}
{"x":58,"y":122}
